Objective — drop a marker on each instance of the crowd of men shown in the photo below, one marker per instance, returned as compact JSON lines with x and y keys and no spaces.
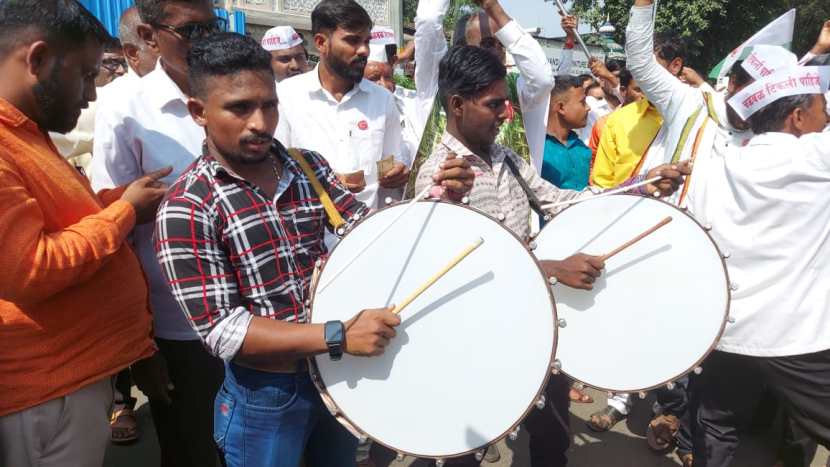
{"x":164,"y":204}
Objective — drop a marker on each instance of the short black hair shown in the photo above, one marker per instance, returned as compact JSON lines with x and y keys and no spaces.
{"x":739,"y":76}
{"x":332,"y":14}
{"x":771,"y":117}
{"x":585,"y":77}
{"x":565,"y":83}
{"x":669,"y":46}
{"x":62,"y":23}
{"x":466,"y":71}
{"x":626,"y":78}
{"x":152,"y":11}
{"x":224,"y":54}
{"x":459,"y":36}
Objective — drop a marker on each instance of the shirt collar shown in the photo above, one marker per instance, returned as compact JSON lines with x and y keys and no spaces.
{"x":12,"y":116}
{"x":162,"y":89}
{"x":573,"y":139}
{"x":451,"y":144}
{"x":215,"y":169}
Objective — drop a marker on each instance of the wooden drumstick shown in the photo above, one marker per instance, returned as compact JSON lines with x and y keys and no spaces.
{"x":636,"y":239}
{"x":432,"y":280}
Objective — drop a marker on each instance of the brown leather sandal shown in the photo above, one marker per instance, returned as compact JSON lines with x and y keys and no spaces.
{"x":661,"y":432}
{"x":124,"y":426}
{"x":605,"y":419}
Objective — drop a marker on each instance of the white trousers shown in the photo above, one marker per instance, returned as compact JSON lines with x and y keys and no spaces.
{"x":72,"y":430}
{"x":621,"y":402}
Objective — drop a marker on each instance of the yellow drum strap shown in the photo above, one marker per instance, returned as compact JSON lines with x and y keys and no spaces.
{"x":335,"y":219}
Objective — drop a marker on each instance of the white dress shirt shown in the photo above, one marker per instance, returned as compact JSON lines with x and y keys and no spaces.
{"x":536,"y":76}
{"x":353,"y":134}
{"x":677,"y":103}
{"x":138,"y":133}
{"x":411,"y":129}
{"x":769,"y":206}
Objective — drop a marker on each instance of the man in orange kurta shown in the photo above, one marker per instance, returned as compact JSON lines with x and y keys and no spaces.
{"x":73,"y":299}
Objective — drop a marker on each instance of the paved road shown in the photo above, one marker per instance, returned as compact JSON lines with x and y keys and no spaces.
{"x":622,"y":447}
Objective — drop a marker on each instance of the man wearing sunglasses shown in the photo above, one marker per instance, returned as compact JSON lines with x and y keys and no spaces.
{"x":144,"y":131}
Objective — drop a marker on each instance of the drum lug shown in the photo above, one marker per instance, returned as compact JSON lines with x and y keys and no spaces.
{"x":556,"y":367}
{"x":540,"y":404}
{"x":727,"y":255}
{"x":355,"y":217}
{"x":501,"y":217}
{"x":562,"y":323}
{"x":514,"y":435}
{"x":553,"y":281}
{"x":670,"y":386}
{"x":707,"y":227}
{"x":733,"y":287}
{"x":547,"y":217}
{"x":730,"y":320}
{"x":388,"y":200}
{"x":465,"y":200}
{"x":341,"y":231}
{"x":399,"y":457}
{"x":439,"y":462}
{"x":532,"y":246}
{"x":480,"y":455}
{"x":579,"y":386}
{"x":610,"y":394}
{"x":698,"y":370}
{"x":363,"y":439}
{"x":642,"y":395}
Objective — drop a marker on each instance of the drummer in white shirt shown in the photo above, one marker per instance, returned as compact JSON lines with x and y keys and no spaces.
{"x":288,"y":54}
{"x":769,"y":207}
{"x":333,"y":111}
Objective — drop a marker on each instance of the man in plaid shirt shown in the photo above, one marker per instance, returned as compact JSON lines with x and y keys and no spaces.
{"x":237,"y":237}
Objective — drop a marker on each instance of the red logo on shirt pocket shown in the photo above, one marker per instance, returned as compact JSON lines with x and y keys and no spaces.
{"x":363,"y":125}
{"x":224,"y":409}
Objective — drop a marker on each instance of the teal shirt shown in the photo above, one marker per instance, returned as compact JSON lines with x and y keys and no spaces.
{"x":567,"y":167}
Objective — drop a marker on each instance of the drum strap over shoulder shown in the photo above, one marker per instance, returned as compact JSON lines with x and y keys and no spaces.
{"x":535,"y":204}
{"x":335,"y":219}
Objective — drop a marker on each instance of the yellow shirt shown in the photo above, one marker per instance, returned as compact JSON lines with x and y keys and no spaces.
{"x":625,"y":140}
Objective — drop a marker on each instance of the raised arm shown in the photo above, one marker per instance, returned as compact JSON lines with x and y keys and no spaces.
{"x":430,"y":48}
{"x":537,"y":75}
{"x":663,"y":90}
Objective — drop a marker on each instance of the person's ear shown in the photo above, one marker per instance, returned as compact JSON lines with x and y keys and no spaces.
{"x":321,"y":41}
{"x":456,"y":105}
{"x":39,"y":58}
{"x":146,"y":33}
{"x":196,"y":107}
{"x":131,"y":53}
{"x":676,"y":66}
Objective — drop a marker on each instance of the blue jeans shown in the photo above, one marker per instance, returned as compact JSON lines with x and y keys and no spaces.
{"x":272,"y":420}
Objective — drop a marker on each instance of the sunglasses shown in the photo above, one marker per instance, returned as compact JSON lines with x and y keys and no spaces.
{"x":114,"y":64}
{"x":193,"y":31}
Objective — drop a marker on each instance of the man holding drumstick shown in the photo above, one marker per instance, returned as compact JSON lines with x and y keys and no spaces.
{"x":238,"y":236}
{"x":473,"y":91}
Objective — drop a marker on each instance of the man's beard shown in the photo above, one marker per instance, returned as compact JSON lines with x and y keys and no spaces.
{"x":56,"y":113}
{"x":346,"y":70}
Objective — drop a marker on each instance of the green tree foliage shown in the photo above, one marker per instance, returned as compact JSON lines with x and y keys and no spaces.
{"x":410,"y":7}
{"x":713,"y":28}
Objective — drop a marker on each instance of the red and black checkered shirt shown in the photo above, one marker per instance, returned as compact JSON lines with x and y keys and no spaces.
{"x":230,"y":253}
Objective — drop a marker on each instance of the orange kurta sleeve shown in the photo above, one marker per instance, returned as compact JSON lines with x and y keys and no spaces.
{"x":36,"y":263}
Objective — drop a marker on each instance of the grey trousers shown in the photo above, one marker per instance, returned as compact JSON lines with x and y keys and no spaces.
{"x":72,"y":430}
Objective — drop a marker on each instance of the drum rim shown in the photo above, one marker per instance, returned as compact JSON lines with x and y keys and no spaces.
{"x":343,"y":418}
{"x":724,"y":322}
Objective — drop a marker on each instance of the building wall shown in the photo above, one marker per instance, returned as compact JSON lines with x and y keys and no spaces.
{"x":262,"y":15}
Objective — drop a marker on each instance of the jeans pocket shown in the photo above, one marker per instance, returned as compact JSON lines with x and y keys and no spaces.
{"x":272,"y":397}
{"x":222,"y":417}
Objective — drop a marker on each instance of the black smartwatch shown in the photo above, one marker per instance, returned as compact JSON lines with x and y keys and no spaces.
{"x":335,"y":333}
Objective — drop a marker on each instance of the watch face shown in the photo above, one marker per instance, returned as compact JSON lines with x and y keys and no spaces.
{"x":334,"y":332}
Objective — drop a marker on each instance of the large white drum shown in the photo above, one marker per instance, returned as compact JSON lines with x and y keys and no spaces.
{"x":472,"y":354}
{"x":659,"y":307}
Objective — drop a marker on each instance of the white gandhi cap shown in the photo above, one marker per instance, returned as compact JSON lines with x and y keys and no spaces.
{"x":381,"y":37}
{"x":281,"y":38}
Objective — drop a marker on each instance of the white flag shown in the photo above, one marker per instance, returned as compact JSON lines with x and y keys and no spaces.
{"x":778,"y":32}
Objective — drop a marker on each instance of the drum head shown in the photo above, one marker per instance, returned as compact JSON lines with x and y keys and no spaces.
{"x":472,"y":353}
{"x":659,"y":307}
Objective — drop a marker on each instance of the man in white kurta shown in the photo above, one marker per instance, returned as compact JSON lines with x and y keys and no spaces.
{"x":769,"y":207}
